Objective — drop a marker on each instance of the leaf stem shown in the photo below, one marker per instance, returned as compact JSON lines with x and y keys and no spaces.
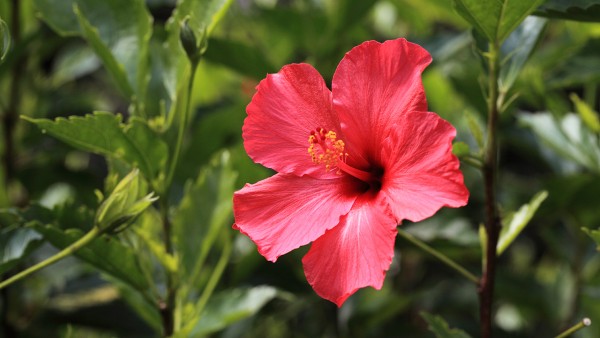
{"x":168,"y":308}
{"x":87,"y":238}
{"x":181,"y":128}
{"x":492,"y":220}
{"x":215,"y":276}
{"x":443,"y":258}
{"x":585,"y":322}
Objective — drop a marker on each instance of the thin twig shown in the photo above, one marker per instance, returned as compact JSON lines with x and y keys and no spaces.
{"x":443,"y":258}
{"x":585,"y":322}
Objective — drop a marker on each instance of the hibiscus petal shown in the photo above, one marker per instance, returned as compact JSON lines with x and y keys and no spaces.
{"x":284,"y":212}
{"x":355,"y":254}
{"x":373,"y":85}
{"x":421,"y":175}
{"x":287,"y":106}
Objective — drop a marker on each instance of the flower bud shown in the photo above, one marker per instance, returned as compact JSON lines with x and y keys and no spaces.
{"x":124,"y":204}
{"x":193,"y":48}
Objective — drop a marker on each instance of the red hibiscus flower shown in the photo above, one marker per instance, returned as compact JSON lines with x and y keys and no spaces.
{"x":352,"y":163}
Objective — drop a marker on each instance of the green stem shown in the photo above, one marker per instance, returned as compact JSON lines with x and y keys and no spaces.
{"x":215,"y":277}
{"x":181,"y":129}
{"x":583,"y":323}
{"x":169,"y":308}
{"x":443,"y":258}
{"x":95,"y":232}
{"x":492,"y":222}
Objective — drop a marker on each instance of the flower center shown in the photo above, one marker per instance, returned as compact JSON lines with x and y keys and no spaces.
{"x":325,"y":148}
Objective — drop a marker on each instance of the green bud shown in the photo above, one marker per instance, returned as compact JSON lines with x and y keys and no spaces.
{"x":193,"y":48}
{"x":124,"y":204}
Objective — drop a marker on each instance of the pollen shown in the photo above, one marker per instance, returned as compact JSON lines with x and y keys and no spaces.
{"x":324,"y":148}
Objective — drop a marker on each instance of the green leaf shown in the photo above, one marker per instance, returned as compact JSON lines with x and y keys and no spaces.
{"x":516,"y":222}
{"x":580,"y":68}
{"x":118,"y":31}
{"x":117,"y":70}
{"x":73,"y":62}
{"x":16,"y":243}
{"x":103,"y":133}
{"x":171,"y":58}
{"x":440,"y":328}
{"x":124,"y":204}
{"x":475,"y":128}
{"x":4,"y":39}
{"x":106,"y":254}
{"x":242,"y":58}
{"x":460,"y":149}
{"x":587,"y":114}
{"x":517,"y":48}
{"x":349,"y":12}
{"x":495,"y":19}
{"x":205,"y":210}
{"x":568,"y":137}
{"x":230,"y":306}
{"x":59,"y":15}
{"x":595,"y":235}
{"x":203,"y":14}
{"x":579,"y":10}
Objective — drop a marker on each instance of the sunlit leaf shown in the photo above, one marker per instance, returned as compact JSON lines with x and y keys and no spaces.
{"x":440,"y":328}
{"x":495,"y":19}
{"x":106,"y":254}
{"x":74,"y":62}
{"x":579,"y":10}
{"x":587,"y":114}
{"x":103,"y":133}
{"x":517,"y":48}
{"x":515,"y":223}
{"x":16,"y":243}
{"x":569,"y":138}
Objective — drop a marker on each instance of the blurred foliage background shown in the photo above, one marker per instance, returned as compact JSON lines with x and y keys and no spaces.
{"x":547,"y":279}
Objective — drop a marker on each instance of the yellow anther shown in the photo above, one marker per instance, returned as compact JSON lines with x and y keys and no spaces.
{"x":325,"y":148}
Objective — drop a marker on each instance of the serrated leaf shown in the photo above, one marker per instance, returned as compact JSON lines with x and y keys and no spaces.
{"x":587,"y":114}
{"x":206,"y":208}
{"x":515,"y":223}
{"x":517,"y":48}
{"x":103,"y":133}
{"x":440,"y":328}
{"x":106,"y":254}
{"x":595,"y":235}
{"x":230,"y":306}
{"x":578,"y":10}
{"x":568,"y":137}
{"x":495,"y":19}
